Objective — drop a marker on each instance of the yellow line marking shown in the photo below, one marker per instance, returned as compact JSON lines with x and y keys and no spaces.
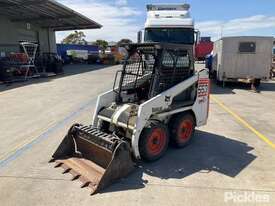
{"x":243,"y":122}
{"x":6,"y":92}
{"x":2,"y":93}
{"x":22,"y":144}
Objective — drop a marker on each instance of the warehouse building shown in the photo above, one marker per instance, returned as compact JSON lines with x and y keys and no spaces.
{"x":37,"y":21}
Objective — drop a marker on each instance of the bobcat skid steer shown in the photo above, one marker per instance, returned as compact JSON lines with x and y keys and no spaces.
{"x":159,"y":99}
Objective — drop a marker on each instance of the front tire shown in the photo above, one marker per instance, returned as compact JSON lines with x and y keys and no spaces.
{"x":257,"y":82}
{"x":153,"y":141}
{"x":182,"y":130}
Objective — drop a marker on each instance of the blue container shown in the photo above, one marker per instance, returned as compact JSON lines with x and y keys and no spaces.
{"x":63,"y":48}
{"x":209,"y":62}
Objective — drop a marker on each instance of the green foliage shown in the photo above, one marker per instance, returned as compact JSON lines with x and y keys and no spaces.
{"x":102,"y":44}
{"x":124,"y":41}
{"x":78,"y":37}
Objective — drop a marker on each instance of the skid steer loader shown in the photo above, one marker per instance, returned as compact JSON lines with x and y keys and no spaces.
{"x":158,"y":99}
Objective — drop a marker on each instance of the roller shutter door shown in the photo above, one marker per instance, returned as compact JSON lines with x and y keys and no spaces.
{"x":27,"y":35}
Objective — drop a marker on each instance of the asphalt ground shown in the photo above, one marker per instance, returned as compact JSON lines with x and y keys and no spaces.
{"x":230,"y":161}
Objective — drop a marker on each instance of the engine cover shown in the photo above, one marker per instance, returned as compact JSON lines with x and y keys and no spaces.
{"x":120,"y":115}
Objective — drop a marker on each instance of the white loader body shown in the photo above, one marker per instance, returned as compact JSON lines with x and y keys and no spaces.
{"x":156,"y":107}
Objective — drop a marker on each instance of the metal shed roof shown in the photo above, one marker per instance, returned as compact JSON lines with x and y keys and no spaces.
{"x":46,"y":13}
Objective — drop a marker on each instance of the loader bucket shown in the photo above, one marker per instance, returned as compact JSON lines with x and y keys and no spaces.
{"x":93,"y":157}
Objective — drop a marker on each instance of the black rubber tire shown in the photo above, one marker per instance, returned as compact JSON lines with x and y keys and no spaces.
{"x":176,"y":124}
{"x":257,"y":82}
{"x":219,"y":82}
{"x":145,"y":140}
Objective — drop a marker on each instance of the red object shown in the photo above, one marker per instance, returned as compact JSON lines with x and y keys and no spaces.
{"x":185,"y":130}
{"x":20,"y":57}
{"x":156,"y":142}
{"x":202,"y":49}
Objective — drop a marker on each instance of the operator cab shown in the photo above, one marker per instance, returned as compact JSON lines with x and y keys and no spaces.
{"x":172,"y":24}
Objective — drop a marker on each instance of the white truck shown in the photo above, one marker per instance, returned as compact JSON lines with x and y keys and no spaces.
{"x":169,"y":23}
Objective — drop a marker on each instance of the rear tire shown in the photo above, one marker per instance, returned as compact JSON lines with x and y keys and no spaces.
{"x":257,"y":82}
{"x":182,"y":129}
{"x":219,"y":82}
{"x":153,"y":141}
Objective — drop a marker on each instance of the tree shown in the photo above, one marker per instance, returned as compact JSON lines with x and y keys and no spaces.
{"x":78,"y":37}
{"x":124,"y":41}
{"x":102,"y":44}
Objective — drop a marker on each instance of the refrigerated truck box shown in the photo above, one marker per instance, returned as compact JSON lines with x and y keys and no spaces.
{"x":245,"y":59}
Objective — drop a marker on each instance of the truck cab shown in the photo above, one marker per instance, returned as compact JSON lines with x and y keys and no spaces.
{"x":168,"y":24}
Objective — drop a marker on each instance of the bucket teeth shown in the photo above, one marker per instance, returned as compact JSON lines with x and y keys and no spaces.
{"x":52,"y":160}
{"x":74,"y":174}
{"x":85,"y":184}
{"x":105,"y":158}
{"x":75,"y":177}
{"x":93,"y":190}
{"x":58,"y":164}
{"x":66,"y":170}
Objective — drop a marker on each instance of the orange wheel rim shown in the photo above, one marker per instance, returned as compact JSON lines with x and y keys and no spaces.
{"x":185,"y":130}
{"x":156,"y":142}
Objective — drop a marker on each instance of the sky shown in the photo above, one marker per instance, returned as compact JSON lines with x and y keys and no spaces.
{"x":215,"y":18}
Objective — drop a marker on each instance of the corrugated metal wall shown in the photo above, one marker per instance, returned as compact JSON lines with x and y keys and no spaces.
{"x":13,"y":32}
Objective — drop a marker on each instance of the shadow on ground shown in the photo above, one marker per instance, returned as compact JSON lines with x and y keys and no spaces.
{"x":69,"y":70}
{"x":208,"y":152}
{"x":230,"y":86}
